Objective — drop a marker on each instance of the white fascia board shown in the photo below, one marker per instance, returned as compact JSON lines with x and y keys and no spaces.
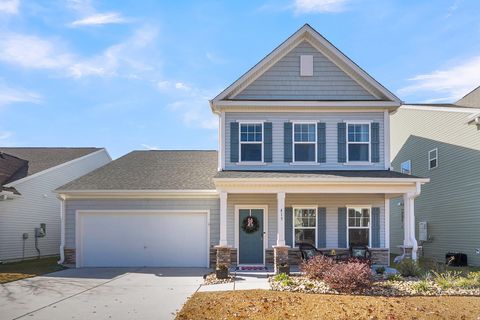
{"x":17,"y":182}
{"x":322,"y":180}
{"x":368,"y":104}
{"x":138,"y":193}
{"x":436,"y":108}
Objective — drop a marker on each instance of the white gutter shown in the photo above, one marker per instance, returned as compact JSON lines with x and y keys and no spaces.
{"x":62,"y":229}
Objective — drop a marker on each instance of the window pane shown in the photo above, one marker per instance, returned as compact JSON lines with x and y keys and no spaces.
{"x":433,"y":163}
{"x":304,"y":132}
{"x":251,"y":132}
{"x":305,"y":152}
{"x":406,"y":167}
{"x":358,"y":237}
{"x":358,"y":133}
{"x":305,"y":235}
{"x":358,"y":152}
{"x":251,"y":152}
{"x":305,"y":218}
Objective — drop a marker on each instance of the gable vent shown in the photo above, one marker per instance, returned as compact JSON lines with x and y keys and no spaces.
{"x":306,"y":65}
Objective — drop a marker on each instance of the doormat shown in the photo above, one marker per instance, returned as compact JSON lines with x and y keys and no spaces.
{"x":251,"y":268}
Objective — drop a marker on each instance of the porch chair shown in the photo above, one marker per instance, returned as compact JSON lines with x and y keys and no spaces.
{"x":308,"y":251}
{"x":360,"y":252}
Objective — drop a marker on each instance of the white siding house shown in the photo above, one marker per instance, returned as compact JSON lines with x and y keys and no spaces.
{"x":34,"y":201}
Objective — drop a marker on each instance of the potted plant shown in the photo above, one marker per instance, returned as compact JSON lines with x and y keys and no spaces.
{"x":283,"y":268}
{"x":221,"y":271}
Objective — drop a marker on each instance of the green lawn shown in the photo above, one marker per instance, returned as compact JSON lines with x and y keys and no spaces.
{"x":27,"y":269}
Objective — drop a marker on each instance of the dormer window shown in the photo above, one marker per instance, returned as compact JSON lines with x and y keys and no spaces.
{"x":304,"y":142}
{"x":358,"y":140}
{"x":251,"y":142}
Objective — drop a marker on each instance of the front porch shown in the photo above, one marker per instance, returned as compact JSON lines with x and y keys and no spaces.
{"x":327,"y":215}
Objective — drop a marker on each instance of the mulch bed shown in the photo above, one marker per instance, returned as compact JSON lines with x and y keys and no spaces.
{"x":264,"y":304}
{"x":406,"y":287}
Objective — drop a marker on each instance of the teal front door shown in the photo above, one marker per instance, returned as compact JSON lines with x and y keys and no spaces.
{"x":250,"y":237}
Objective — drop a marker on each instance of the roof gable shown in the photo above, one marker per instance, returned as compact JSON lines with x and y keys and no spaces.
{"x":282,"y":81}
{"x":363,"y":86}
{"x":471,"y":99}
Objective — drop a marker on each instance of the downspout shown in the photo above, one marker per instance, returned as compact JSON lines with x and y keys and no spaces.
{"x":62,"y":229}
{"x":418,"y":189}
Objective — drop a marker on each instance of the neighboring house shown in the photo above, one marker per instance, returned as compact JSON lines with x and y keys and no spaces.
{"x":442,"y":142}
{"x":303,"y":157}
{"x":28,"y":177}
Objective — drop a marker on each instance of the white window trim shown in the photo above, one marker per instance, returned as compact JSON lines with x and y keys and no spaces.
{"x":293,"y":223}
{"x":369,"y":224}
{"x":240,"y":142}
{"x":410,"y":164}
{"x":434,"y":158}
{"x":369,"y":123}
{"x":304,"y":142}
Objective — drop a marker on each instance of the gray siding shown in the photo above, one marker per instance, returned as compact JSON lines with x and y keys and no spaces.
{"x":283,"y":81}
{"x":39,"y":204}
{"x":155,"y":204}
{"x":450,"y":203}
{"x":330,"y":202}
{"x":278,"y":119}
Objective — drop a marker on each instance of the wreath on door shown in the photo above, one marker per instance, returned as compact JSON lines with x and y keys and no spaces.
{"x":250,"y":224}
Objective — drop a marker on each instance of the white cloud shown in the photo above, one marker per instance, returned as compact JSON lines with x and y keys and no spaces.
{"x":10,"y":95}
{"x":449,"y":84}
{"x":32,"y":52}
{"x":191,"y":103}
{"x":5,"y":135}
{"x":9,"y":6}
{"x":319,"y":6}
{"x":100,"y":19}
{"x":149,"y":147}
{"x":122,"y":59}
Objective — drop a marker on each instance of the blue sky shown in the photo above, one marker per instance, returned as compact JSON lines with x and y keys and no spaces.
{"x":132,"y":75}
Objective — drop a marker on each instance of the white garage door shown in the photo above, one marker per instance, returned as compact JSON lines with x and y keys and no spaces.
{"x":156,"y":239}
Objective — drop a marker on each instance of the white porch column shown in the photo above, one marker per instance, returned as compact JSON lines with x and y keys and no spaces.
{"x":281,"y":219}
{"x":406,"y":221}
{"x":387,"y":224}
{"x":223,"y":219}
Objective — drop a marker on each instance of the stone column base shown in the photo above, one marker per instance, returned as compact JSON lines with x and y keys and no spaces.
{"x":280,"y":256}
{"x":224,"y":256}
{"x":70,"y":255}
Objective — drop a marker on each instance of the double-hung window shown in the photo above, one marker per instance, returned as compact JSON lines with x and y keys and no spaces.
{"x":433,"y":158}
{"x":358,"y":226}
{"x":358,"y":142}
{"x":305,"y":225}
{"x":251,"y":142}
{"x":304,"y":142}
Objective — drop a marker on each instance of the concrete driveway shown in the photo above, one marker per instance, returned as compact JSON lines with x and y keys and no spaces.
{"x":101,"y":293}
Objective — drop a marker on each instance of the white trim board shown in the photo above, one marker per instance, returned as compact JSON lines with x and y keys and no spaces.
{"x":78,"y":228}
{"x":237,"y":227}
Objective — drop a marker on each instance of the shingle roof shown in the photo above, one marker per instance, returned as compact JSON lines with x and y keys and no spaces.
{"x":340,"y":174}
{"x":18,"y":163}
{"x":152,"y":170}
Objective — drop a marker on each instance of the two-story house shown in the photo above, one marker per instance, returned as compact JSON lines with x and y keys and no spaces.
{"x":441,"y":142}
{"x":303,"y":156}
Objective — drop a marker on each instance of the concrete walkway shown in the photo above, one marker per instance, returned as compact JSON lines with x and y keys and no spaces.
{"x":101,"y":293}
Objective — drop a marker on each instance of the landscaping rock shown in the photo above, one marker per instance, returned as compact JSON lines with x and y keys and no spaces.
{"x":212,"y":279}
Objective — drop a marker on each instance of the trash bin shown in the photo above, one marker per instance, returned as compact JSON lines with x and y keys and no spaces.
{"x":456,"y":259}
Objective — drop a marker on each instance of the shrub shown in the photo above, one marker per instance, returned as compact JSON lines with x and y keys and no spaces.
{"x":349,"y":277}
{"x":448,"y":279}
{"x":471,"y":281}
{"x":409,"y":268}
{"x":316,"y":267}
{"x":284,"y":279}
{"x":394,"y":277}
{"x":380,"y":270}
{"x":421,"y":286}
